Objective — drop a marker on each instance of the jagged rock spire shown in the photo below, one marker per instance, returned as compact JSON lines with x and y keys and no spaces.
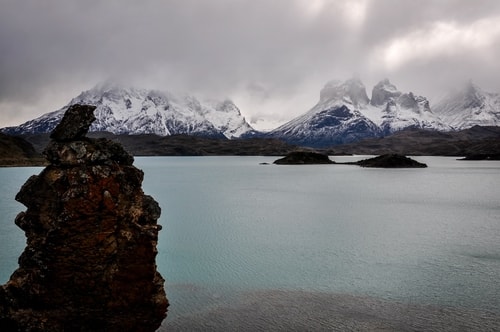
{"x":383,"y":92}
{"x":75,"y":123}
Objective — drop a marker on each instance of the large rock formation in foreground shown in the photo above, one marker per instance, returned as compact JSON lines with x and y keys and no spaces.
{"x":89,"y":264}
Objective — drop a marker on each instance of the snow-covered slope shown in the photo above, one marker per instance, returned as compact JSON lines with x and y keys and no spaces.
{"x":335,"y":119}
{"x":226,"y":117}
{"x":345,"y":114}
{"x":468,"y":107}
{"x":138,"y":111}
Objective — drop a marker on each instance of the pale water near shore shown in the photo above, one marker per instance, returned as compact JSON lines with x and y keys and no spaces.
{"x":326,"y":247}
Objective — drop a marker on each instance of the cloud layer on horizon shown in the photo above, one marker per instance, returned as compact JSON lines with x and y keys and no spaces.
{"x":270,"y":57}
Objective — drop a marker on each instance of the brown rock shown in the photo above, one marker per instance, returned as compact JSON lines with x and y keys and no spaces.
{"x":89,"y":264}
{"x":75,"y":124}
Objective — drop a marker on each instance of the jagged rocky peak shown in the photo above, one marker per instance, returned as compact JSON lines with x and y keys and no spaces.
{"x":386,"y":95}
{"x":383,"y":92}
{"x":351,"y":91}
{"x":408,"y":100}
{"x":89,"y":264}
{"x":417,"y":103}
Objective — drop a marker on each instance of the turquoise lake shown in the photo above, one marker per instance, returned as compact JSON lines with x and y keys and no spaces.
{"x":235,"y":230}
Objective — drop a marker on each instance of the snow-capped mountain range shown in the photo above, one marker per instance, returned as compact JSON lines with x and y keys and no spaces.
{"x":344,"y":113}
{"x":139,"y":111}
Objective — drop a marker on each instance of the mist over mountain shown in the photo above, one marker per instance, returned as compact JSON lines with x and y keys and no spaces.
{"x":125,"y":110}
{"x":469,"y":106}
{"x":344,"y":114}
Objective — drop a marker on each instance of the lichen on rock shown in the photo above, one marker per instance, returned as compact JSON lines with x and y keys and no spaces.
{"x":89,"y":263}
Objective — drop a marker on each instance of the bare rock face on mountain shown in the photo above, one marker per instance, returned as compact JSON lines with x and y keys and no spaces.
{"x":352,"y":91}
{"x":383,"y":92}
{"x":89,"y":264}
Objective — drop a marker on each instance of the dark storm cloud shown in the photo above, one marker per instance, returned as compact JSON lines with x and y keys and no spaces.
{"x":272,"y":57}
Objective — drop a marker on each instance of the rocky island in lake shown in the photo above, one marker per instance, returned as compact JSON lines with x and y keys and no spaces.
{"x":391,"y":161}
{"x":303,"y":158}
{"x":89,"y":263}
{"x":383,"y":161}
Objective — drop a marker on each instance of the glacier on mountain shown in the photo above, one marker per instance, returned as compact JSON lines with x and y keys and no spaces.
{"x":123,"y":110}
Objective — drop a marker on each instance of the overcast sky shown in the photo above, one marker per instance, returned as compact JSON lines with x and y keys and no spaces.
{"x":271,"y":57}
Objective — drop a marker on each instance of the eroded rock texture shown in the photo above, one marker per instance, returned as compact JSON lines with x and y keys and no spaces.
{"x":89,"y":263}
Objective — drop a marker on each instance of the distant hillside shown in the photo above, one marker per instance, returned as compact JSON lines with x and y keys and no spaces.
{"x":467,"y":142}
{"x":15,"y":151}
{"x":184,"y":145}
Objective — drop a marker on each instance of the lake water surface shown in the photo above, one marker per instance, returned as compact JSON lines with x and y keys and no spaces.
{"x":316,"y":247}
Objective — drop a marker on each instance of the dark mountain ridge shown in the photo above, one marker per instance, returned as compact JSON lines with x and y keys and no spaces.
{"x":183,"y":145}
{"x":472,"y":141}
{"x":16,"y":151}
